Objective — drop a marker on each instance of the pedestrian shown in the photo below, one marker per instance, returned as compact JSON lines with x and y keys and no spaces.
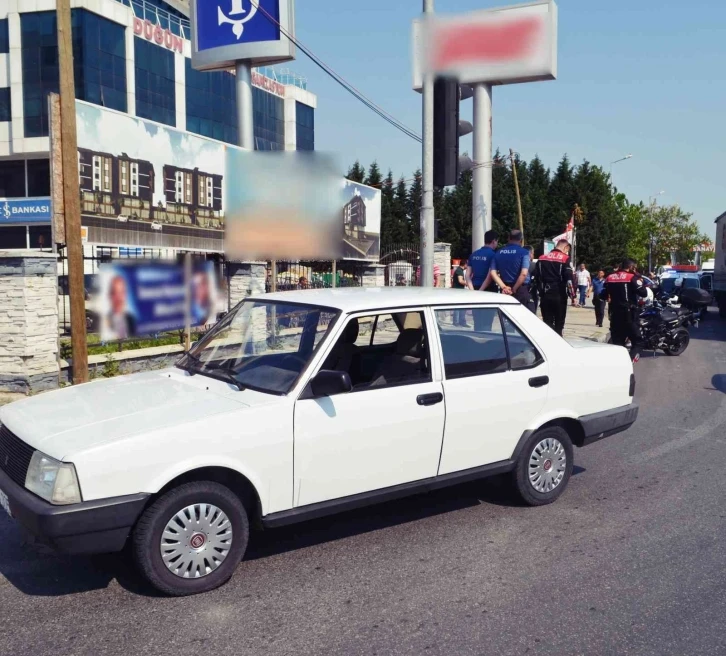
{"x":480,"y":260}
{"x":554,"y":274}
{"x":458,"y":281}
{"x":598,"y":286}
{"x":533,"y":292}
{"x":584,"y":282}
{"x":510,"y":269}
{"x":623,"y":290}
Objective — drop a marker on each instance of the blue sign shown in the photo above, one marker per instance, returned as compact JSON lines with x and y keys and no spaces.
{"x":229,"y":22}
{"x":225,"y":32}
{"x":25,"y":210}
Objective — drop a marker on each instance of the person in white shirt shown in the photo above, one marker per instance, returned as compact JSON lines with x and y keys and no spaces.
{"x":584,"y":283}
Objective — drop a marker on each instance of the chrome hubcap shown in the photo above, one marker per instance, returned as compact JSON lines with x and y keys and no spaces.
{"x":547,"y":465}
{"x":196,"y":541}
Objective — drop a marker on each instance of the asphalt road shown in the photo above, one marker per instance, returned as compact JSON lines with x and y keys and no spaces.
{"x":631,"y":560}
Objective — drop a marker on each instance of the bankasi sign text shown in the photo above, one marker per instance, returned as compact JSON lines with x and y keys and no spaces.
{"x":158,"y":35}
{"x":268,"y":84}
{"x":25,"y":210}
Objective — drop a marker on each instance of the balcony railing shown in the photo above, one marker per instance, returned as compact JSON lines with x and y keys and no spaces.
{"x":147,"y":11}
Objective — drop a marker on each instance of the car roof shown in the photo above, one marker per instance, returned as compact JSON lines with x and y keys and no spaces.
{"x":354,"y":299}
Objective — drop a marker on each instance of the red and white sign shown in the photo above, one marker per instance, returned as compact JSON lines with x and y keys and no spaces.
{"x":158,"y":35}
{"x":268,"y":84}
{"x":568,"y":234}
{"x":497,"y":46}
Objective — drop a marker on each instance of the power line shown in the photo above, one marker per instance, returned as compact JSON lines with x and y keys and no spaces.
{"x":389,"y":118}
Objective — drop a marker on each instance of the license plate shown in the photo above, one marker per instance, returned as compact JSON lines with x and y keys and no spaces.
{"x":5,"y":503}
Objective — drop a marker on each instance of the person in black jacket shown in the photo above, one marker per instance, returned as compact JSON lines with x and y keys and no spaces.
{"x":622,"y":290}
{"x":553,"y":275}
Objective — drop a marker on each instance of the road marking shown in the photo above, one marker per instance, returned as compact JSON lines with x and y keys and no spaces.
{"x":692,"y":435}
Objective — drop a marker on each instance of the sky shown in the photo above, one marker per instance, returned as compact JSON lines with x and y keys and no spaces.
{"x":646,"y":77}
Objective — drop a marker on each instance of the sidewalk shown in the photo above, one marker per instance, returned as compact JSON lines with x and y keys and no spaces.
{"x":580,"y":324}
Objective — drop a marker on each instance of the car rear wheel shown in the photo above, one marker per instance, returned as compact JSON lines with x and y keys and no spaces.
{"x":191,"y":539}
{"x":544,"y":466}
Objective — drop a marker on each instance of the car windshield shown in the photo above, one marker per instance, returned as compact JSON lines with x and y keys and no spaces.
{"x":261,"y":345}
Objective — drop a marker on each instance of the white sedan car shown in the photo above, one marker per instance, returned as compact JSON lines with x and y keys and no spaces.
{"x":302,"y":404}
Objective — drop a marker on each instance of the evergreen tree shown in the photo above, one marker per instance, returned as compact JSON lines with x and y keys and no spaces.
{"x":374,"y":178}
{"x":535,"y":204}
{"x":455,"y":226}
{"x":560,"y":199}
{"x":356,"y":173}
{"x":387,"y":213}
{"x":413,"y":206}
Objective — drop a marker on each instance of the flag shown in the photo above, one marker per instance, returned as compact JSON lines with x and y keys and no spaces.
{"x":569,"y":233}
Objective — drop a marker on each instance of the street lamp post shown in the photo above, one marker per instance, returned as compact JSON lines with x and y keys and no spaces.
{"x":622,"y":159}
{"x":652,"y":202}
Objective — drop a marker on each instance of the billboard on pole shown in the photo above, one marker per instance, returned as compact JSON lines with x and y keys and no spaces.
{"x":507,"y":45}
{"x":227,"y":31}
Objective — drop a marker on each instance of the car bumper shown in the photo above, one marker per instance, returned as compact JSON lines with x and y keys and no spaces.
{"x":90,"y":527}
{"x":603,"y":424}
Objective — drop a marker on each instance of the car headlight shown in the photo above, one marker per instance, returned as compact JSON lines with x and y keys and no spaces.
{"x":53,"y":480}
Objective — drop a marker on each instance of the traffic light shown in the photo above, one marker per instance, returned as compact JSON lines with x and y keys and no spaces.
{"x":447,"y":129}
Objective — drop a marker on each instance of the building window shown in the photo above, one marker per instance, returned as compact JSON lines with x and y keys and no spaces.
{"x":305,"y":126}
{"x":12,"y":237}
{"x":99,"y":58}
{"x":211,"y":104}
{"x":269,"y":120}
{"x":206,"y":191}
{"x":12,"y":179}
{"x":101,"y":173}
{"x":155,"y":87}
{"x":4,"y":37}
{"x":183,"y":187}
{"x":38,"y":177}
{"x":5,"y":104}
{"x":39,"y":54}
{"x":134,"y":179}
{"x":99,"y":50}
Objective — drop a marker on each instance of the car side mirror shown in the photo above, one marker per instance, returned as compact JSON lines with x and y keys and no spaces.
{"x":330,"y":383}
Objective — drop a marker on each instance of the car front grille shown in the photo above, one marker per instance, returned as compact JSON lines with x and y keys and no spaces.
{"x":15,"y":455}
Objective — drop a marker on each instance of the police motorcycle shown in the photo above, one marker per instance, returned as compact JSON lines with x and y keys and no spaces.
{"x":664,"y":325}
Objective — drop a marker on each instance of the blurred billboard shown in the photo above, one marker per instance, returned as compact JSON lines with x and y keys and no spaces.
{"x":135,"y":299}
{"x":507,"y":45}
{"x":282,"y":206}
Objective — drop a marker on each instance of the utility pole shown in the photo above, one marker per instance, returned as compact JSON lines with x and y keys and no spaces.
{"x":427,"y":174}
{"x":481,"y":175}
{"x":516,"y":188}
{"x":71,"y":200}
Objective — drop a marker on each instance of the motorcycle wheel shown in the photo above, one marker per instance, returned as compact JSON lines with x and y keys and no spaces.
{"x":678,"y":342}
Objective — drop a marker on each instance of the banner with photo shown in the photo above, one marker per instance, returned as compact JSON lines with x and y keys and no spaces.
{"x":149,"y":298}
{"x":361,"y":222}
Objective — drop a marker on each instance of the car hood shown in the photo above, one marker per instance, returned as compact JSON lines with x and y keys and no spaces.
{"x":73,"y":419}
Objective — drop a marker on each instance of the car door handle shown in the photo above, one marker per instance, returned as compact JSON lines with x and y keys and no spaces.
{"x":539,"y":381}
{"x":430,"y":399}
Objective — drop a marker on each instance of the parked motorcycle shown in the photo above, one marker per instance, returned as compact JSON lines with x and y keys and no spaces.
{"x":665,"y":328}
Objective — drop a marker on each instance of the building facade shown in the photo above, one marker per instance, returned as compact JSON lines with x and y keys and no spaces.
{"x":132,"y":56}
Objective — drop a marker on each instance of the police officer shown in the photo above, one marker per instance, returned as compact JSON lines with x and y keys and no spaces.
{"x":623,"y":289}
{"x":479,"y":263}
{"x":553,"y":275}
{"x":510,"y":269}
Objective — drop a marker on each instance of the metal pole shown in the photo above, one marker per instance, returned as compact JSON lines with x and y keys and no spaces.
{"x":481,"y":181}
{"x":243,"y":82}
{"x":516,"y":188}
{"x":187,"y":301}
{"x":427,"y":175}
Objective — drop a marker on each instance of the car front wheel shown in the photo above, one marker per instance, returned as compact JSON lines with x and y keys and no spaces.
{"x":544,"y":466}
{"x":191,"y":539}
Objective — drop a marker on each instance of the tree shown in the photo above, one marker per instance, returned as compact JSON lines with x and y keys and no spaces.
{"x":673,"y":232}
{"x":413,"y":206}
{"x":560,"y":199}
{"x":356,"y":173}
{"x":374,"y":177}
